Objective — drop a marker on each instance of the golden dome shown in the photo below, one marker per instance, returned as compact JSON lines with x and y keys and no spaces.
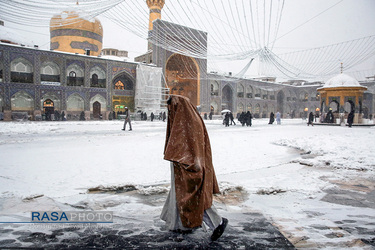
{"x":72,"y":32}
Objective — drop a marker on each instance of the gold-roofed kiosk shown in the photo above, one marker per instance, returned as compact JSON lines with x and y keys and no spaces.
{"x":342,"y":94}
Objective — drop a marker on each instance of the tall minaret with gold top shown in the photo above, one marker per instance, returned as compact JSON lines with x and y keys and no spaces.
{"x":155,"y":7}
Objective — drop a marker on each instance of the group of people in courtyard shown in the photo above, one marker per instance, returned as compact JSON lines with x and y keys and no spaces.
{"x":245,"y":118}
{"x":272,"y":118}
{"x":162,"y":117}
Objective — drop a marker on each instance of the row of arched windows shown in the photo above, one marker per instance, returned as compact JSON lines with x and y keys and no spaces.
{"x":263,"y":110}
{"x":22,"y":101}
{"x":22,"y":72}
{"x":264,"y":94}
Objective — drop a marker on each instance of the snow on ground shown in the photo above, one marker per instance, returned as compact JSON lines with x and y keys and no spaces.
{"x":291,"y":172}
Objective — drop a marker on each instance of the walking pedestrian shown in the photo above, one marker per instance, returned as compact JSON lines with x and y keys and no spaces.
{"x":226,"y":119}
{"x":311,"y":119}
{"x":272,"y":118}
{"x":278,"y":118}
{"x":127,"y":119}
{"x":164,"y":116}
{"x":351,"y":118}
{"x":189,"y":204}
{"x":231,"y":118}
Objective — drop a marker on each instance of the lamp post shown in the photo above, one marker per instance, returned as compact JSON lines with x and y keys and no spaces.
{"x":305,"y":112}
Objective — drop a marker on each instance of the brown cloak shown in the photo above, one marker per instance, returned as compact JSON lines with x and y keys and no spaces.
{"x":187,"y":145}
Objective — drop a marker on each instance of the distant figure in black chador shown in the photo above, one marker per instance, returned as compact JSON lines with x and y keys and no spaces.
{"x":241,"y":119}
{"x":329,"y":117}
{"x":351,"y":118}
{"x":248,"y":118}
{"x":164,"y":116}
{"x":272,"y":118}
{"x":152,"y":116}
{"x":231,"y":118}
{"x":226,"y":119}
{"x":311,"y":119}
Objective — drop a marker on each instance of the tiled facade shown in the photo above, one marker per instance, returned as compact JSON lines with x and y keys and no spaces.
{"x":60,"y":87}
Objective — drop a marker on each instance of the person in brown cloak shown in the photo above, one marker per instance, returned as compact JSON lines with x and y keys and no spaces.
{"x":187,"y":147}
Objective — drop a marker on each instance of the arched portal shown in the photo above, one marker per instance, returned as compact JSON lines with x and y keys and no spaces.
{"x":349,"y":106}
{"x":48,"y":109}
{"x":280,"y":102}
{"x":227,"y":98}
{"x":22,"y":101}
{"x":123,"y":82}
{"x":96,"y":106}
{"x":335,"y":106}
{"x":182,"y":76}
{"x":214,"y":108}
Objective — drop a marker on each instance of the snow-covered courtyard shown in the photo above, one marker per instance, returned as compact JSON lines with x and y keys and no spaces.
{"x":316,"y":184}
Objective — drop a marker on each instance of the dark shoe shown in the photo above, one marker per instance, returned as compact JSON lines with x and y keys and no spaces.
{"x":130,"y":129}
{"x":123,"y":129}
{"x":219,"y":230}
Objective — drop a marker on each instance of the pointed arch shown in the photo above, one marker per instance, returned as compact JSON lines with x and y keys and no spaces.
{"x":100,"y":99}
{"x":303,"y":96}
{"x":21,"y":70}
{"x":183,"y":77}
{"x":227,"y":98}
{"x":240,"y":91}
{"x":250,"y":108}
{"x":22,"y":101}
{"x":56,"y":100}
{"x":97,"y":77}
{"x":75,"y":75}
{"x":257,"y":110}
{"x":49,"y":72}
{"x":75,"y":103}
{"x":240,"y":107}
{"x":215,"y":108}
{"x":123,"y":81}
{"x":264,"y":110}
{"x":214,"y":88}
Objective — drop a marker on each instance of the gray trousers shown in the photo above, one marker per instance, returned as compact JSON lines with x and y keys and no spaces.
{"x":171,"y":216}
{"x":127,"y":121}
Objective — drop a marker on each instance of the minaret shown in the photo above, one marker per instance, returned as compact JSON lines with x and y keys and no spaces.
{"x":155,"y":7}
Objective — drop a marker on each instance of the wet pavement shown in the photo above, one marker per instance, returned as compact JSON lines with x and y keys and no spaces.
{"x":137,"y":229}
{"x":252,"y":232}
{"x":137,"y":226}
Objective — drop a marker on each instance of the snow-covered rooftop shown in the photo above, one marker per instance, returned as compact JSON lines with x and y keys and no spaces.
{"x":341,"y":80}
{"x":8,"y":34}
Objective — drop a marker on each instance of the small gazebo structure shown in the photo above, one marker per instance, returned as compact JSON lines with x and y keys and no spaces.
{"x":342,"y":94}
